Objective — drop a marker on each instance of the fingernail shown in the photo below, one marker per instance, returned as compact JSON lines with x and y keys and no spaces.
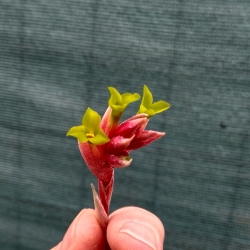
{"x":141,"y":232}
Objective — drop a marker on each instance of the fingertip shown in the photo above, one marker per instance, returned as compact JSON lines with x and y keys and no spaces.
{"x":57,"y":247}
{"x":135,"y":228}
{"x":83,"y":233}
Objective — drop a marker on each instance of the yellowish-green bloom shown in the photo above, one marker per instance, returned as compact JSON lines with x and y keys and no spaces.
{"x":118,"y":102}
{"x":90,"y":129}
{"x":148,"y":106}
{"x":106,"y":144}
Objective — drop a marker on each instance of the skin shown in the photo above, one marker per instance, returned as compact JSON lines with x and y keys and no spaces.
{"x":129,"y":228}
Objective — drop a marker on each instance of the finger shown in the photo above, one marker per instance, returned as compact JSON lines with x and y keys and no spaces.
{"x":133,"y":228}
{"x":84,"y":233}
{"x":57,"y":247}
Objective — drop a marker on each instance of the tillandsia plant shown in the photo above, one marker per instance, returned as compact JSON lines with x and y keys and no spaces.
{"x":105,"y":144}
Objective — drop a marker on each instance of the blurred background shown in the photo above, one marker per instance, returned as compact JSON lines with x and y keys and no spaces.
{"x":58,"y":57}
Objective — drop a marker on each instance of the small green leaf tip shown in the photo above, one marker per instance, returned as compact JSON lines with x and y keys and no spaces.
{"x":90,"y":129}
{"x":148,"y":107}
{"x":118,"y":102}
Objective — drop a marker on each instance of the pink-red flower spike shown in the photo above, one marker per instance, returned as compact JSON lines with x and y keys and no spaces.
{"x":105,"y":144}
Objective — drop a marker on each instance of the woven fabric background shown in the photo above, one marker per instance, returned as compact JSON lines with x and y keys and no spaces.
{"x":58,"y":57}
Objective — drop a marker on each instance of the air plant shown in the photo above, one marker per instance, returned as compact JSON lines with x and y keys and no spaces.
{"x":105,"y":144}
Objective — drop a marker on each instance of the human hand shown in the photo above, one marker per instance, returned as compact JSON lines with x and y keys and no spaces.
{"x":129,"y":228}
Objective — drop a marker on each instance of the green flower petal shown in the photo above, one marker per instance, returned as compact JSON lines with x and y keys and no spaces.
{"x":115,"y":97}
{"x":150,"y":112}
{"x":142,"y":109}
{"x":79,"y":132}
{"x":118,"y":102}
{"x":100,"y":138}
{"x":147,"y":99}
{"x":90,"y":129}
{"x":147,"y":106}
{"x":160,"y":106}
{"x":91,"y":120}
{"x":127,"y":98}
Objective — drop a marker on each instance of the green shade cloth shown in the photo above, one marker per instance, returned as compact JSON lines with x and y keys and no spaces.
{"x":58,"y":57}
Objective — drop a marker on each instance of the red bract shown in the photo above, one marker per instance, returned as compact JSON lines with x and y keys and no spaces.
{"x":105,"y":144}
{"x":102,"y":159}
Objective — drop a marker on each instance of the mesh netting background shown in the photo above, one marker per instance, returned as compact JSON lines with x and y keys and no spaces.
{"x":58,"y":57}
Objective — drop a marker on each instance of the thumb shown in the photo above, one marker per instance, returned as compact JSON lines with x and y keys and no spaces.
{"x":134,"y":228}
